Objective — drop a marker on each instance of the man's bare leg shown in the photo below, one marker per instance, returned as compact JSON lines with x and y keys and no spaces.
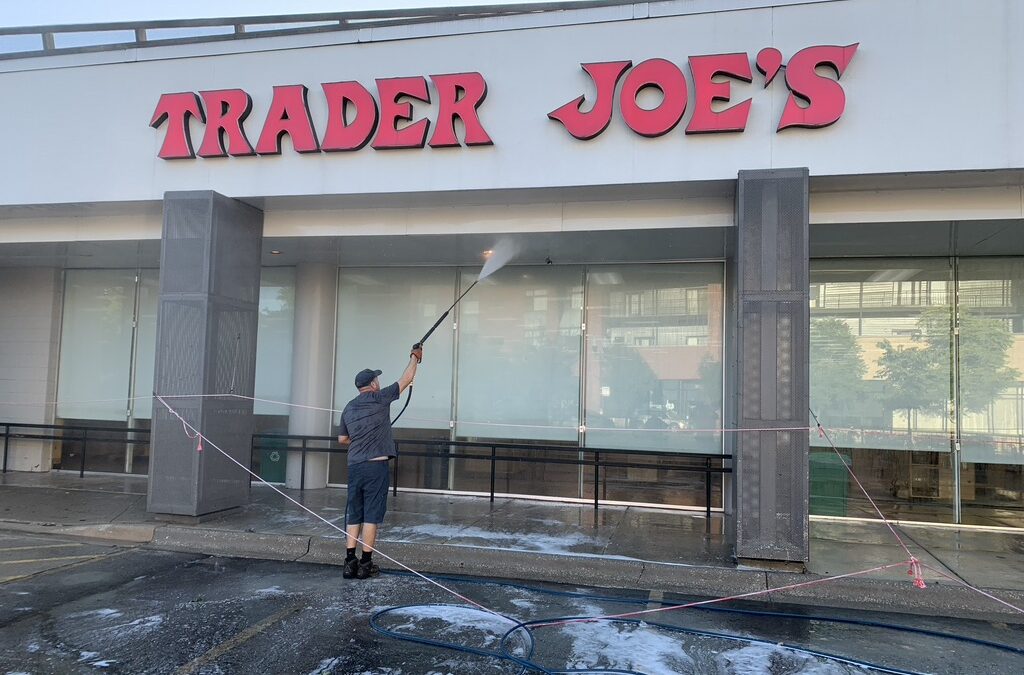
{"x":351,"y":534}
{"x":369,"y":536}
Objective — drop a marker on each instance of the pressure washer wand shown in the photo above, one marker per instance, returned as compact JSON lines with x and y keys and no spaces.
{"x":419,"y":345}
{"x":444,"y":316}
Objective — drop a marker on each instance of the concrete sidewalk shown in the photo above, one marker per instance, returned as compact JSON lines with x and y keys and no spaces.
{"x":625,"y":547}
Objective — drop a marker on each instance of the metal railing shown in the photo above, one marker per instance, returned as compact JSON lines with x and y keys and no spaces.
{"x":109,"y":36}
{"x":73,"y":434}
{"x":441,"y":449}
{"x":599,"y":460}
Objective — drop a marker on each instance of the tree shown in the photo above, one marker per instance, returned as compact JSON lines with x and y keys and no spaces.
{"x":919,"y":377}
{"x":984,"y":350}
{"x":837,"y":367}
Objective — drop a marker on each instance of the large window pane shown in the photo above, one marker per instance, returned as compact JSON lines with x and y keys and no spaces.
{"x":274,"y":340}
{"x":550,"y":472}
{"x":882,"y":382}
{"x":519,"y":355}
{"x":96,"y":345}
{"x":145,"y":343}
{"x":143,"y":370}
{"x":654,"y":359}
{"x":274,"y":336}
{"x":991,"y":389}
{"x":381,"y":313}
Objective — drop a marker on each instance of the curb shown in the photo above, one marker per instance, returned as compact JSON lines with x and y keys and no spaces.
{"x":124,"y":533}
{"x":943,"y":599}
{"x":940,"y":598}
{"x":485,"y":562}
{"x":185,"y":539}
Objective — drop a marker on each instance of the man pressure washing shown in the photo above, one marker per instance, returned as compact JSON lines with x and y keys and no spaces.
{"x":366,"y":428}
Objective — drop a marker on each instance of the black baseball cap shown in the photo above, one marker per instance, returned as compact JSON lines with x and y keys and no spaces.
{"x":365,"y":377}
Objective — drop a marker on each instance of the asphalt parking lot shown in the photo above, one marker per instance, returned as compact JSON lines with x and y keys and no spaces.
{"x":133,"y":610}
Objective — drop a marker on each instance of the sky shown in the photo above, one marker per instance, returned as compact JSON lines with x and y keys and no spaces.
{"x":51,"y":12}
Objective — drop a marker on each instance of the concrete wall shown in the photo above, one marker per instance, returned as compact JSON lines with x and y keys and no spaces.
{"x":30,"y":313}
{"x":933,"y":87}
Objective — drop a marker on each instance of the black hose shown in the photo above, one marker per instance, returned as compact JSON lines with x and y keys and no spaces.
{"x":408,"y":397}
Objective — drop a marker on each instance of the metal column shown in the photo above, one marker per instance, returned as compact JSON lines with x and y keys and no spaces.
{"x":771,"y":368}
{"x":206,"y":344}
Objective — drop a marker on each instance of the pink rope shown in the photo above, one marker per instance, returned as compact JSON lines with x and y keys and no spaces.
{"x":458,"y":595}
{"x":975,"y":589}
{"x":739,"y":596}
{"x":915,"y":567}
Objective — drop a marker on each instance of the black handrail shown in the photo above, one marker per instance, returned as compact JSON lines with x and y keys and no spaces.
{"x":492,"y":452}
{"x":704,"y":463}
{"x":82,"y":438}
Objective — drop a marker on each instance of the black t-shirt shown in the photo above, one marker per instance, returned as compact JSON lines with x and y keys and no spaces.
{"x":366,"y":420}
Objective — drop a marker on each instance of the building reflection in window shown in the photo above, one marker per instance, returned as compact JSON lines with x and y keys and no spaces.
{"x":902,"y":370}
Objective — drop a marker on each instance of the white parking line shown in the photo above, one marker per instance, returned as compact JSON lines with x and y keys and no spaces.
{"x":32,"y":548}
{"x":37,"y":560}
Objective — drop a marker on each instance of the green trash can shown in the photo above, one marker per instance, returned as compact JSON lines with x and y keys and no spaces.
{"x":830,"y":483}
{"x":273,"y":460}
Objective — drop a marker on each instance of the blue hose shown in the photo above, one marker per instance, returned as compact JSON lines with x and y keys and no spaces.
{"x":731,"y":610}
{"x":526,"y":663}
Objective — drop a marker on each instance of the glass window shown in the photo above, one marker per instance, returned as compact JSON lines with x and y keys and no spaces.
{"x":100,"y":307}
{"x":274,"y":341}
{"x":654,"y":357}
{"x":381,"y":313}
{"x":274,"y":349}
{"x":519,"y":355}
{"x":145,"y":343}
{"x":96,"y":345}
{"x":991,"y":388}
{"x":882,"y":383}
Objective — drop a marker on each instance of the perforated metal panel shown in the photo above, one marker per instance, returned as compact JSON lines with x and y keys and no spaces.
{"x":770,"y":264}
{"x":206,"y":344}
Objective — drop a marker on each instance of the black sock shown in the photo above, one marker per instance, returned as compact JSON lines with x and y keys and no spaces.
{"x":366,"y":556}
{"x":350,"y":554}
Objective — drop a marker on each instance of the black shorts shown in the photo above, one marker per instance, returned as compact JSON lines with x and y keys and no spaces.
{"x":368,"y":484}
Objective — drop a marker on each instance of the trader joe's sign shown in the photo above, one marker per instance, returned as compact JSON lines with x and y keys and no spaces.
{"x":387,"y":118}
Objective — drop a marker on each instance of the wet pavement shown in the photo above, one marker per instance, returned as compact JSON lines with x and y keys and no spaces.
{"x":615,"y":546}
{"x":145,"y":611}
{"x":23,"y":555}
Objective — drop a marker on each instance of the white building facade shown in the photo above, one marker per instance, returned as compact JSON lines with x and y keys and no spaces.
{"x":606,"y":145}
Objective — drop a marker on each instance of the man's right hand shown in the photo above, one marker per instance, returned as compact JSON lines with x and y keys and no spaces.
{"x":417,"y":352}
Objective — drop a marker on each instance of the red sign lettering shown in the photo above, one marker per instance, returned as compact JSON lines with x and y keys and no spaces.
{"x":353,"y":115}
{"x":823,"y":98}
{"x":706,"y":91}
{"x":769,"y":61}
{"x":394,"y":110}
{"x":587,"y":125}
{"x":459,"y":96}
{"x":341,"y":134}
{"x":176,"y":109}
{"x":288,"y":114}
{"x":664,"y":76}
{"x":226,"y":110}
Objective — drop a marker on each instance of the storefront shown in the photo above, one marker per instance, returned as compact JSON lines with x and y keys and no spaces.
{"x":605,"y":145}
